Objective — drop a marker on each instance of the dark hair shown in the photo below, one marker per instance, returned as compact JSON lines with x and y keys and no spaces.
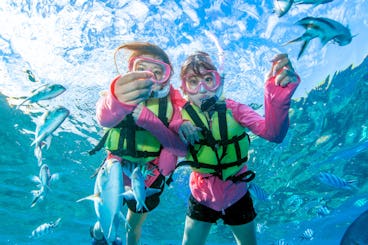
{"x":195,"y":62}
{"x":144,"y":48}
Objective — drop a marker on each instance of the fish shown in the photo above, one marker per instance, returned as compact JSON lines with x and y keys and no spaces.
{"x":323,"y":28}
{"x":44,"y":92}
{"x":49,"y":122}
{"x":139,"y":192}
{"x":31,"y":76}
{"x":44,"y":229}
{"x":307,"y":234}
{"x":357,"y":232}
{"x":335,"y":181}
{"x":43,"y":181}
{"x":281,"y":7}
{"x":314,"y":2}
{"x":258,"y":192}
{"x":108,"y":197}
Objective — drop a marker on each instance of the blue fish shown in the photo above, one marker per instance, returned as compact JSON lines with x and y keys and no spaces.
{"x":44,"y":92}
{"x":258,"y":192}
{"x":43,"y":181}
{"x":108,"y":197}
{"x":336,"y":182}
{"x":139,"y":191}
{"x":307,"y":234}
{"x":325,"y":29}
{"x":281,"y":7}
{"x":357,"y":232}
{"x":314,"y":2}
{"x":49,"y":122}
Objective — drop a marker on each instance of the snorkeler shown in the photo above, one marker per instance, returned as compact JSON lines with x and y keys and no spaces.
{"x":214,"y":129}
{"x":138,"y":111}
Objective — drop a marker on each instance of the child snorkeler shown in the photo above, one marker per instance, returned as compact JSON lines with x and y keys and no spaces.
{"x":138,"y":111}
{"x":214,"y":129}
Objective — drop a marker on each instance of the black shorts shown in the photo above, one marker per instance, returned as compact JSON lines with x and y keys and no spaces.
{"x":151,"y":201}
{"x":241,"y":212}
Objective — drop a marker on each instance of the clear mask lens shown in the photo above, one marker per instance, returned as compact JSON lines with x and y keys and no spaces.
{"x":161,"y":71}
{"x":209,"y":80}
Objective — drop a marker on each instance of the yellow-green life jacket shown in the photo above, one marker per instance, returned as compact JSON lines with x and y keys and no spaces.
{"x":134,"y":143}
{"x":223,"y":146}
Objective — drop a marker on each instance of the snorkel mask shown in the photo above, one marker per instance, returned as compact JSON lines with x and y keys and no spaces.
{"x":210,"y":80}
{"x":161,"y":73}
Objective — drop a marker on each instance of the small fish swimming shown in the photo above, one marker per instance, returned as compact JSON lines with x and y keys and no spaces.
{"x":325,"y":29}
{"x":43,"y":181}
{"x":314,"y":2}
{"x":44,"y":92}
{"x":281,"y":7}
{"x":49,"y":122}
{"x":31,"y":76}
{"x":139,"y":192}
{"x":357,"y":232}
{"x":108,"y":198}
{"x":335,"y":181}
{"x":44,"y":229}
{"x":258,"y":192}
{"x":307,"y":234}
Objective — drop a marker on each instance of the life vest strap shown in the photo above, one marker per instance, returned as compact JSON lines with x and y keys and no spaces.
{"x":247,"y":176}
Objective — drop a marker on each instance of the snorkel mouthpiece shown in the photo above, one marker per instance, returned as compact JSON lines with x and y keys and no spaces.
{"x":209,"y":104}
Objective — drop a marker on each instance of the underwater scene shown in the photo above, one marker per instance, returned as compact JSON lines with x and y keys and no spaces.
{"x":309,"y":189}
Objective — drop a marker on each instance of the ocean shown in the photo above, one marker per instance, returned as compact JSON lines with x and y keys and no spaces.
{"x":72,"y":43}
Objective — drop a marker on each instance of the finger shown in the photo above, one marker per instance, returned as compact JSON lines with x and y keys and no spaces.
{"x":137,"y":75}
{"x":133,"y":97}
{"x":279,"y":57}
{"x":182,"y":137}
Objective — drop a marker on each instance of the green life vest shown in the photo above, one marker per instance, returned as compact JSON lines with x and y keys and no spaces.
{"x":134,"y":143}
{"x":223,"y":146}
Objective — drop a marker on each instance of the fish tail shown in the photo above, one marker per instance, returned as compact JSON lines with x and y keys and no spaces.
{"x":304,"y":45}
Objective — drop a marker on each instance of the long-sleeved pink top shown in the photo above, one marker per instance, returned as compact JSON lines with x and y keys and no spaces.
{"x":217,"y":194}
{"x":110,"y":111}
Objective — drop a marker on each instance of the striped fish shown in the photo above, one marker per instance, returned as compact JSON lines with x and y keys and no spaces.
{"x":44,"y":229}
{"x":307,"y":234}
{"x":335,"y":181}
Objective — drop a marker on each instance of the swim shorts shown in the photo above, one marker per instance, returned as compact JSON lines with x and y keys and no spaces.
{"x":151,"y":201}
{"x":241,"y":212}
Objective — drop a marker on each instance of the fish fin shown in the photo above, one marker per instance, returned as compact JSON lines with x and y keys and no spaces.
{"x":36,"y":179}
{"x":21,"y":104}
{"x":93,"y":197}
{"x":151,"y":191}
{"x":128,"y":195}
{"x":302,"y":49}
{"x":55,"y":176}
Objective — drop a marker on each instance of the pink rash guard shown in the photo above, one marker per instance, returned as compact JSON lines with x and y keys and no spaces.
{"x":217,"y":194}
{"x":110,"y":111}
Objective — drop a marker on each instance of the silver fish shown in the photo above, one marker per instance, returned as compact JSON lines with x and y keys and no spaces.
{"x":335,"y":181}
{"x":44,"y":92}
{"x":281,"y":7}
{"x":43,"y":181}
{"x":325,"y":29}
{"x":49,"y":122}
{"x":139,"y":191}
{"x":357,"y":232}
{"x":44,"y":229}
{"x":108,"y":197}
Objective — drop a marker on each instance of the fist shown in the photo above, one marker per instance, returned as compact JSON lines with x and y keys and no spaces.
{"x":134,"y":87}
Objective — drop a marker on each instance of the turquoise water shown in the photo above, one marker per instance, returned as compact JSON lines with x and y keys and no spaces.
{"x":72,"y":43}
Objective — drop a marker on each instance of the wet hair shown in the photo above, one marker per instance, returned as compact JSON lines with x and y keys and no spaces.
{"x":195,"y":62}
{"x":144,"y":48}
